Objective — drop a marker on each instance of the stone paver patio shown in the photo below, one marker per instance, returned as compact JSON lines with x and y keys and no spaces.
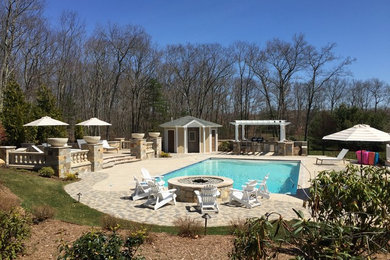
{"x":109,"y":191}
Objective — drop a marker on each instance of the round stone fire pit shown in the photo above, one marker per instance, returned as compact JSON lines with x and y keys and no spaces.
{"x":186,"y":185}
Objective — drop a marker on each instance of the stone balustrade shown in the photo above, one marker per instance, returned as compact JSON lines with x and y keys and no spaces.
{"x":27,"y":158}
{"x":80,"y":156}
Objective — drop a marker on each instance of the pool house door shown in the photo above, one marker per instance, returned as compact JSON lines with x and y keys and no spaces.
{"x":171,"y":141}
{"x":193,"y":140}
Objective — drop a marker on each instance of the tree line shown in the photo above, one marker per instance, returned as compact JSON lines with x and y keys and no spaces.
{"x":118,"y":74}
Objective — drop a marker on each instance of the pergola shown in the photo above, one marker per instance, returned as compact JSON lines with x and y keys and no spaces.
{"x":243,"y":123}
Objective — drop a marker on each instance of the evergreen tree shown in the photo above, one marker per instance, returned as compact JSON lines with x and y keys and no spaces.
{"x":16,"y":113}
{"x":46,"y":106}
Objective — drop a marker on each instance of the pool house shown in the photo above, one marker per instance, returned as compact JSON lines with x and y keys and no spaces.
{"x":190,"y":135}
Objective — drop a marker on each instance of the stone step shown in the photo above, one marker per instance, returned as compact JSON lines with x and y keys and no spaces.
{"x":120,"y":159}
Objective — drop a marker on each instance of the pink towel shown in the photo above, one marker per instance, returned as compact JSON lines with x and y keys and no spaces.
{"x":359,"y":155}
{"x":365,"y":157}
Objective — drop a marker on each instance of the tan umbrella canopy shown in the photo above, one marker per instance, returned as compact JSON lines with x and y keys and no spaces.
{"x":93,"y":122}
{"x":46,"y":121}
{"x":359,"y":133}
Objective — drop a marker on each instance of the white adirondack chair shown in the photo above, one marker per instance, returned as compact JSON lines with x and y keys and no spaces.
{"x":207,"y":198}
{"x":262,"y":191}
{"x":247,"y":196}
{"x":141,"y":190}
{"x":147,"y":177}
{"x":158,"y":197}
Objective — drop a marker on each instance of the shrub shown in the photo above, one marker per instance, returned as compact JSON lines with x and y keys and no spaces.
{"x":188,"y":227}
{"x":110,"y":223}
{"x":98,"y":245}
{"x":47,"y":172}
{"x":165,"y":155}
{"x":42,"y":212}
{"x":236,"y":225}
{"x":256,"y":239}
{"x":14,"y":228}
{"x":356,"y":200}
{"x":70,"y":176}
{"x":225,"y":146}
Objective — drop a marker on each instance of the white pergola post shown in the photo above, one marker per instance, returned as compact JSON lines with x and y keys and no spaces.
{"x":185,"y":140}
{"x":176,"y":139}
{"x":243,"y":132}
{"x":282,"y":132}
{"x":236,"y":132}
{"x":204,"y":139}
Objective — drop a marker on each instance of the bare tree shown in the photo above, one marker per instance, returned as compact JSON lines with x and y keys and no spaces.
{"x":319,"y":61}
{"x":14,"y":18}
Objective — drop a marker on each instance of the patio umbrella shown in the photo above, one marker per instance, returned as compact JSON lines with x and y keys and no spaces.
{"x":94,"y":122}
{"x":359,"y":133}
{"x":45,"y":121}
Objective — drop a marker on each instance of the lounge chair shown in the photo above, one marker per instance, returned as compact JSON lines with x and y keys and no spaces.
{"x":339,"y":157}
{"x":81,"y":142}
{"x":35,"y":148}
{"x":108,"y":148}
{"x":158,"y":197}
{"x":247,"y":196}
{"x":147,"y":177}
{"x":207,"y":198}
{"x":141,"y":190}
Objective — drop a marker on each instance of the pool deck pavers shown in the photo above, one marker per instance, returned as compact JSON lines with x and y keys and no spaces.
{"x":109,"y":191}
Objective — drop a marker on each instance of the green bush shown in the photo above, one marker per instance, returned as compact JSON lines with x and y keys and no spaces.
{"x":188,"y":227}
{"x":110,"y":223}
{"x":99,"y":245}
{"x":165,"y":155}
{"x":42,"y":212}
{"x":47,"y":172}
{"x":225,"y":146}
{"x":71,"y":176}
{"x":14,"y":228}
{"x":256,"y":239}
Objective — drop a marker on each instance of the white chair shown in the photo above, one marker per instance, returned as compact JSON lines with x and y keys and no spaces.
{"x":141,"y":190}
{"x":107,"y":147}
{"x":80,"y":143}
{"x":158,"y":197}
{"x":147,"y":177}
{"x":247,"y":196}
{"x":34,"y":148}
{"x":339,"y":157}
{"x":207,"y":198}
{"x":262,"y":191}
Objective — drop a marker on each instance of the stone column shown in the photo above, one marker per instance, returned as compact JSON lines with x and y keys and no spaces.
{"x":236,"y":147}
{"x":4,"y":150}
{"x":138,"y":148}
{"x":95,"y":156}
{"x":59,"y":159}
{"x":157,"y":141}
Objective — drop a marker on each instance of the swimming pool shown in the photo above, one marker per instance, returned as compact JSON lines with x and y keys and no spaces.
{"x":283,"y":175}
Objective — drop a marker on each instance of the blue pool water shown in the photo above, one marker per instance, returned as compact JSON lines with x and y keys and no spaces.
{"x":283,"y":175}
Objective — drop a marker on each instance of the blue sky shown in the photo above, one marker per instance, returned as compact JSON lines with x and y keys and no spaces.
{"x":360,"y":28}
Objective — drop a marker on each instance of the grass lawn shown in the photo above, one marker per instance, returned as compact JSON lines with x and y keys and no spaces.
{"x":34,"y":190}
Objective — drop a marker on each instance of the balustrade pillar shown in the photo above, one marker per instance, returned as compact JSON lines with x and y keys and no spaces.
{"x":59,"y":158}
{"x":4,"y":150}
{"x":95,"y":156}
